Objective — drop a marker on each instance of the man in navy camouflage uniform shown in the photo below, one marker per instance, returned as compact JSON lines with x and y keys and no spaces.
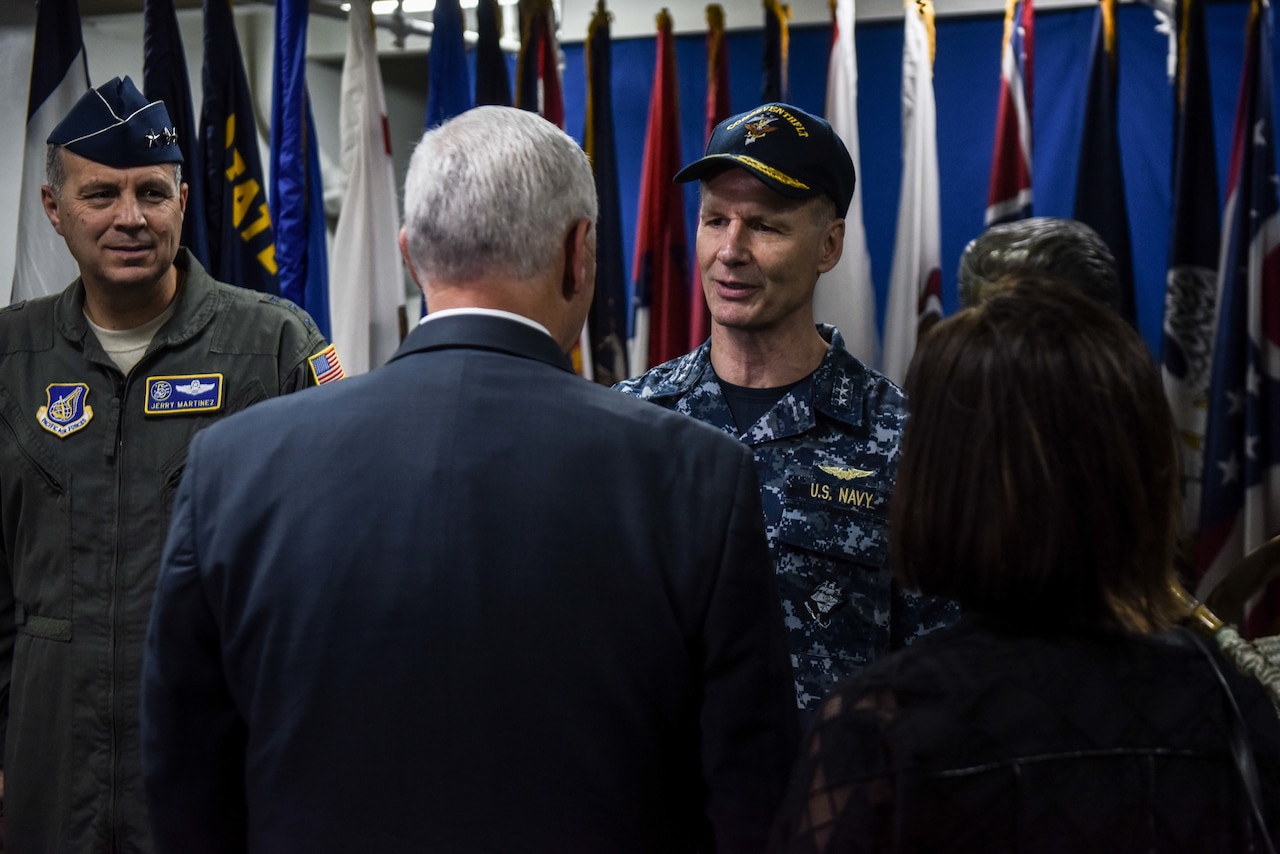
{"x":776,"y":183}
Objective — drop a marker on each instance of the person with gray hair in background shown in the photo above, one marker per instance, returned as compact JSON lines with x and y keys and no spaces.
{"x":1063,"y":249}
{"x":470,"y":601}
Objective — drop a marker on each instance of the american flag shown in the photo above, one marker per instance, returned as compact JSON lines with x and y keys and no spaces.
{"x":1241,"y":483}
{"x":325,"y":366}
{"x":1009,"y":197}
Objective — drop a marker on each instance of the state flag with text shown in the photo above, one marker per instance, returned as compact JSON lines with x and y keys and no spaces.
{"x":1191,"y":284}
{"x":366,"y":279}
{"x":1100,"y":196}
{"x":1009,"y":196}
{"x":297,"y":191}
{"x":1240,"y":507}
{"x":607,"y":322}
{"x":59,"y":76}
{"x":660,"y":316}
{"x":242,"y":241}
{"x":164,"y":78}
{"x":845,"y":296}
{"x":915,"y":281}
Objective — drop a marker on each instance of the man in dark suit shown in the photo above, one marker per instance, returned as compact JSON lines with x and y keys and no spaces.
{"x":470,"y":601}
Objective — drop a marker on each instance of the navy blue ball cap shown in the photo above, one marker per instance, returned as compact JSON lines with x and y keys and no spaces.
{"x":115,"y":125}
{"x":793,"y":152}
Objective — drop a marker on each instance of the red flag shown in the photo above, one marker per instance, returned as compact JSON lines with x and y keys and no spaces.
{"x":661,"y":272}
{"x":717,"y":111}
{"x":1010,"y":195}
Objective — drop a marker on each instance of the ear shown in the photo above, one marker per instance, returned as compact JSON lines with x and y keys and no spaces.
{"x":408,"y":262}
{"x":182,"y":197}
{"x":832,"y":246}
{"x":50,"y":201}
{"x":579,"y":261}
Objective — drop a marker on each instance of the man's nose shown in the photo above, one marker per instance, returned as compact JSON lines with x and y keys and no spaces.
{"x":129,"y":212}
{"x":733,"y":248}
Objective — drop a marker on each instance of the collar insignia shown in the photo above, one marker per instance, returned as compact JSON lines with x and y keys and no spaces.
{"x":67,"y":410}
{"x":184,"y":395}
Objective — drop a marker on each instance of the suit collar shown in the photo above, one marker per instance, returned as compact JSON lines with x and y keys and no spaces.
{"x":483,"y":332}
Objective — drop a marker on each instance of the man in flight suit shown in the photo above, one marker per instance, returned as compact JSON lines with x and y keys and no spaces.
{"x":101,"y":389}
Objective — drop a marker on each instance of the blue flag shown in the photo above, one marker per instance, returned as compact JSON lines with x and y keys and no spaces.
{"x":242,"y":243}
{"x":607,"y":323}
{"x":1100,"y":197}
{"x":59,"y":76}
{"x":164,"y":78}
{"x":1240,"y":506}
{"x":297,"y":193}
{"x":448,"y":85}
{"x":1191,"y":292}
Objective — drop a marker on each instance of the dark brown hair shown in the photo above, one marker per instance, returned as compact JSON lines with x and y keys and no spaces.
{"x":1039,"y":476}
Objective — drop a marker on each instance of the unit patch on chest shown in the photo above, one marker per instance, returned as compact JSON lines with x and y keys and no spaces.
{"x":184,"y":395}
{"x":68,"y":409}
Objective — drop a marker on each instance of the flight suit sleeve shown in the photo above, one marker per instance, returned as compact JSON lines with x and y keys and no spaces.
{"x":306,"y":358}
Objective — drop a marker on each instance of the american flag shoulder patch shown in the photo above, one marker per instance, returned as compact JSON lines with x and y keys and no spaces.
{"x":325,"y":366}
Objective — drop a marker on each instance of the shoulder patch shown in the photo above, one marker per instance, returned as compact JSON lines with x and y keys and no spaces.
{"x":67,"y":410}
{"x":325,"y":366}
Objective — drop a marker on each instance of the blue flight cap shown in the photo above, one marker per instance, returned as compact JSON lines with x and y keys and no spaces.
{"x":113,"y":124}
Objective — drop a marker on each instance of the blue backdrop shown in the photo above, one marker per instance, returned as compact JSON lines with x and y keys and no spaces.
{"x":966,"y":83}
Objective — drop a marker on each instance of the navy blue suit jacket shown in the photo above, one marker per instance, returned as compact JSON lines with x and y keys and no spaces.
{"x":466,"y":602}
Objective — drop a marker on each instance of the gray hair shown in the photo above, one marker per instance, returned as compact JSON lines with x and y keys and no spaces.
{"x":494,"y":191}
{"x":55,"y":172}
{"x":1062,"y":249}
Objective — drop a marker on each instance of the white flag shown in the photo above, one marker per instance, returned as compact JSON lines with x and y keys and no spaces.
{"x":59,"y":76}
{"x":915,"y":283}
{"x":366,"y":279}
{"x":845,"y":297}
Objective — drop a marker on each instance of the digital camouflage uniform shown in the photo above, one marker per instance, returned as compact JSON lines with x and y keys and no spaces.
{"x":89,"y":462}
{"x":827,"y":455}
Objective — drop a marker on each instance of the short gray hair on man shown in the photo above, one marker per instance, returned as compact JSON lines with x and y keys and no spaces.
{"x":494,"y":191}
{"x":55,"y":172}
{"x":1049,"y":247}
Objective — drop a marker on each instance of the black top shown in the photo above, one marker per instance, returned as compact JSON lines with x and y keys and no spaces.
{"x":977,"y":738}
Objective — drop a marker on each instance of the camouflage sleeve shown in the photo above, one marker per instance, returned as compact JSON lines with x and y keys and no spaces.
{"x":913,"y":615}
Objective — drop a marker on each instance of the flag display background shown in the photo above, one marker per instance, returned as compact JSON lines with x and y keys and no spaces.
{"x":966,"y":86}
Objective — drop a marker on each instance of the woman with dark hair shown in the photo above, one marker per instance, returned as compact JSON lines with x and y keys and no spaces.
{"x":1039,"y":489}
